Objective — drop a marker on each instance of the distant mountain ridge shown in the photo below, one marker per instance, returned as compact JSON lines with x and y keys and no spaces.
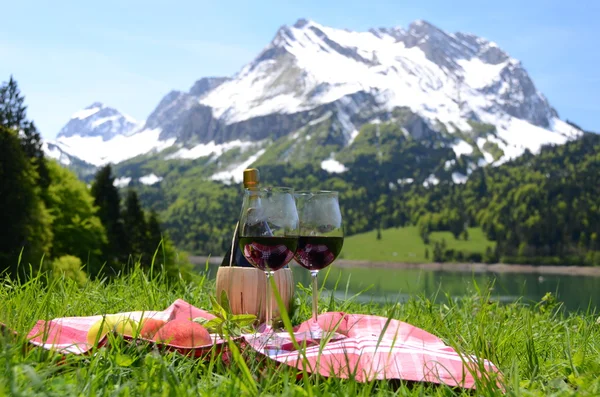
{"x":98,"y":120}
{"x":320,"y":84}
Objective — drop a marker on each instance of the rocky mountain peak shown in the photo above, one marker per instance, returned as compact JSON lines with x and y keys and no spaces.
{"x":98,"y":120}
{"x":316,"y":81}
{"x":206,"y":84}
{"x":302,"y":22}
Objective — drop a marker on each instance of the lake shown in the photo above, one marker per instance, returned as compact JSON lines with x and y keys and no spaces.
{"x":397,"y":285}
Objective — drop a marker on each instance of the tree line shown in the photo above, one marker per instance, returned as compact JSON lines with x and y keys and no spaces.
{"x":53,"y":222}
{"x":539,"y":209}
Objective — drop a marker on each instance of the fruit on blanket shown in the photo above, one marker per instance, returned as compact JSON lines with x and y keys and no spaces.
{"x":150,"y":327}
{"x":181,"y":332}
{"x":190,"y":313}
{"x":118,"y":323}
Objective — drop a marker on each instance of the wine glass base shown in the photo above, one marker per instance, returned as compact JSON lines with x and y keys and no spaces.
{"x":275,"y":343}
{"x":319,"y":335}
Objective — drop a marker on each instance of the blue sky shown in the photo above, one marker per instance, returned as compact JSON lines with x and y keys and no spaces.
{"x":129,"y":53}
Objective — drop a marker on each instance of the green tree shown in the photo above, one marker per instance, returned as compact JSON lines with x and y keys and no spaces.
{"x":106,"y":198}
{"x":13,"y":115}
{"x":77,"y":229}
{"x":134,"y":224}
{"x":24,"y":218}
{"x":68,"y":266}
{"x":153,"y":235}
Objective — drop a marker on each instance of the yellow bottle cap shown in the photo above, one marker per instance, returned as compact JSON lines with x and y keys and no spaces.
{"x":251,"y":178}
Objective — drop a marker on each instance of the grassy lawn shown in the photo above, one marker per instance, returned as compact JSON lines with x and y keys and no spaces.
{"x":540,"y":350}
{"x":404,"y":245}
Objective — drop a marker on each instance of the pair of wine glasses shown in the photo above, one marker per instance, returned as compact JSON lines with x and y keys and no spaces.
{"x":278,"y":224}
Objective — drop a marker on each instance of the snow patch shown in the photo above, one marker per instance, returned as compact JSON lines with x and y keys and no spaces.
{"x":353,"y":136}
{"x":348,"y":129}
{"x":103,"y":120}
{"x":488,"y":157}
{"x":206,"y":149}
{"x":122,"y":182}
{"x":431,"y":181}
{"x":564,"y":128}
{"x":522,"y":135}
{"x":449,"y":163}
{"x":98,"y":152}
{"x":461,"y":148}
{"x":150,"y":179}
{"x":457,"y":177}
{"x":236,"y":173}
{"x":478,"y":74}
{"x":333,"y":166}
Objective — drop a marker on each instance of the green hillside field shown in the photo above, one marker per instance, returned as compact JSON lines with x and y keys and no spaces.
{"x":404,"y":245}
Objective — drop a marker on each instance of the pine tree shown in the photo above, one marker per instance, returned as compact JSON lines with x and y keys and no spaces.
{"x":23,"y":216}
{"x":134,"y":224}
{"x":13,"y":115}
{"x":106,"y":198}
{"x":153,"y":235}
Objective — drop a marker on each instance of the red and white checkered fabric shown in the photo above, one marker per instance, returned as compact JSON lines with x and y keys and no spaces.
{"x":367,"y":353}
{"x":69,"y":334}
{"x":370,"y":350}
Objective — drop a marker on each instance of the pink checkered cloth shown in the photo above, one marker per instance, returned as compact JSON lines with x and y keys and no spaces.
{"x":403,"y":352}
{"x":69,"y":334}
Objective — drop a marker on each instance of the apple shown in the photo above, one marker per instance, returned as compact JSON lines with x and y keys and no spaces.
{"x":182,"y":332}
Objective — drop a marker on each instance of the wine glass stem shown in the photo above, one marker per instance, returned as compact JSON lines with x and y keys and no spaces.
{"x":315,"y":295}
{"x":268,"y":303}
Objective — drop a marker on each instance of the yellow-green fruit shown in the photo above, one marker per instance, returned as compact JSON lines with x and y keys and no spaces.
{"x":118,"y":323}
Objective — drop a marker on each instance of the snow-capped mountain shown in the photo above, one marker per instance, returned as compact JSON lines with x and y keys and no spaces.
{"x":446,"y":77}
{"x":100,"y":134}
{"x":320,"y":83}
{"x":98,"y":120}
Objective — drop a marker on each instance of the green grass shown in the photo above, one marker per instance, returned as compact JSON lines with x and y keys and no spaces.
{"x":540,"y":350}
{"x":404,"y":245}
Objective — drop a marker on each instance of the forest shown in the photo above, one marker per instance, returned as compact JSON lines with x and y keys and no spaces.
{"x":540,"y":209}
{"x":52,"y":222}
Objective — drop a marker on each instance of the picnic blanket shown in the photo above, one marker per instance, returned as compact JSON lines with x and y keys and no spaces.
{"x":378,"y":348}
{"x":374,"y":347}
{"x":69,"y":334}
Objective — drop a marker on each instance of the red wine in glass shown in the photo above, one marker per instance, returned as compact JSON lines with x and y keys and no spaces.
{"x":317,"y":252}
{"x":268,"y":253}
{"x":320,"y":239}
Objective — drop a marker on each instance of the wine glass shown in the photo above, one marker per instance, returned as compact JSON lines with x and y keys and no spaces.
{"x":320,"y":240}
{"x":268,"y":233}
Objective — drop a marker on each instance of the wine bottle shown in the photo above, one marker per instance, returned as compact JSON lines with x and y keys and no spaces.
{"x":234,"y":256}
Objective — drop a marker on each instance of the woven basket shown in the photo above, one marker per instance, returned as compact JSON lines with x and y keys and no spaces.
{"x":246,"y":289}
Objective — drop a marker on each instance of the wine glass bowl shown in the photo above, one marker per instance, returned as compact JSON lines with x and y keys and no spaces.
{"x":320,"y":240}
{"x":268,"y":232}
